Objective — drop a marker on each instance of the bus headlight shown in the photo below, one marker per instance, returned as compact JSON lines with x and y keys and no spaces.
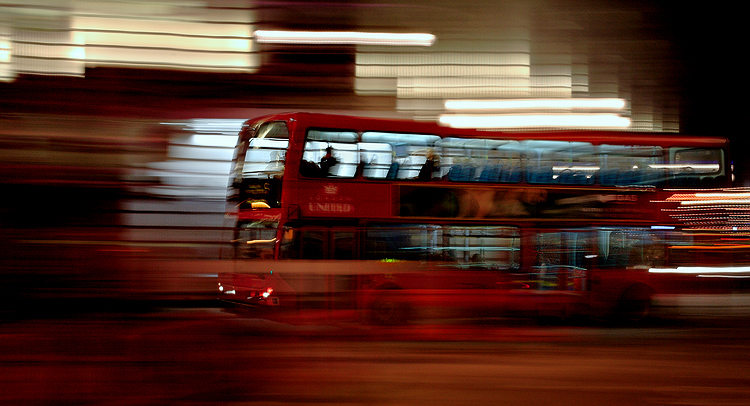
{"x":225,"y":291}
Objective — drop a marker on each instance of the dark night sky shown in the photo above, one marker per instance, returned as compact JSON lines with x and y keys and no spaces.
{"x":709,"y":43}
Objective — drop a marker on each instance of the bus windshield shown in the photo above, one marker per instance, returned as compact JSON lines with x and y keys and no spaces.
{"x":259,"y":165}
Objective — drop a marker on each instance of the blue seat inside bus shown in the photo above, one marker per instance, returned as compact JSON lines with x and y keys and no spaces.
{"x":632,"y":177}
{"x":461,"y":173}
{"x":608,"y":176}
{"x":511,"y":174}
{"x":566,"y":177}
{"x":392,"y":171}
{"x":491,"y":173}
{"x":541,"y":174}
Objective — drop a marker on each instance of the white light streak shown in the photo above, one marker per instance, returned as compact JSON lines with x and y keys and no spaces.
{"x":272,"y":240}
{"x":725,"y":276}
{"x":576,"y":168}
{"x":710,"y":202}
{"x":709,"y":167}
{"x":535,"y":104}
{"x":535,"y":120}
{"x":718,"y":195}
{"x":697,"y":270}
{"x":343,"y":38}
{"x":214,"y":126}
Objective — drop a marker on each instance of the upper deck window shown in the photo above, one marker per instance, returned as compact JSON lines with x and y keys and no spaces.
{"x":397,"y":156}
{"x":376,"y":155}
{"x":626,"y":165}
{"x":330,"y":153}
{"x":696,"y":166}
{"x":560,"y":162}
{"x":481,"y":160}
{"x":428,"y":157}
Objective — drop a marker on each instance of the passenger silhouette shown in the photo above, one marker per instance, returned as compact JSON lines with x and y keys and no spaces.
{"x":429,"y":165}
{"x":327,"y":162}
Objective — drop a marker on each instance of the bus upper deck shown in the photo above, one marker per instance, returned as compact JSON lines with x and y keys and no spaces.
{"x":381,"y":149}
{"x":338,"y":167}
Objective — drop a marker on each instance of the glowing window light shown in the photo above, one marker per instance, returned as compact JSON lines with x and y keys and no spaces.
{"x":78,"y":53}
{"x":165,"y":42}
{"x":5,"y":51}
{"x":431,"y":67}
{"x":343,"y":37}
{"x":160,"y":26}
{"x":535,"y":120}
{"x":176,"y":59}
{"x":535,"y":104}
{"x":448,"y":87}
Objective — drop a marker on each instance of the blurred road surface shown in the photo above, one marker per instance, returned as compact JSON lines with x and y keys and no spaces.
{"x":206,"y":357}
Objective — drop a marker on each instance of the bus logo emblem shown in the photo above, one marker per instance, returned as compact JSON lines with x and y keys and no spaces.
{"x":331,"y":189}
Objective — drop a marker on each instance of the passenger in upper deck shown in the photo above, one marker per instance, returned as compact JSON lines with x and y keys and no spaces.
{"x":327,"y":162}
{"x":275,"y":168}
{"x":430,"y":165}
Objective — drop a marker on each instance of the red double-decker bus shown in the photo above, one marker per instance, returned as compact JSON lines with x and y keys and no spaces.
{"x":392,"y":220}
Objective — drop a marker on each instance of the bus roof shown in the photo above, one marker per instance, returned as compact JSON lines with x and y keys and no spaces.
{"x":357,"y":123}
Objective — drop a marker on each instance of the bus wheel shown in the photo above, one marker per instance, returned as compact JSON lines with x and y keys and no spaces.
{"x":389,"y":310}
{"x":634,"y":304}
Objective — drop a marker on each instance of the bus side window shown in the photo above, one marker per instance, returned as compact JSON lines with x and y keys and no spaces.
{"x":548,"y":248}
{"x":344,"y":244}
{"x":290,"y":245}
{"x":496,"y":248}
{"x":377,"y":158}
{"x":330,"y":153}
{"x":313,"y":244}
{"x":560,"y":260}
{"x":255,"y":241}
{"x":403,"y":243}
{"x":617,"y":255}
{"x":696,"y":167}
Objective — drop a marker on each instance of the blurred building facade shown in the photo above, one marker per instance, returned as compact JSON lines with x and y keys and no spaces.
{"x":110,"y":53}
{"x":144,"y":70}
